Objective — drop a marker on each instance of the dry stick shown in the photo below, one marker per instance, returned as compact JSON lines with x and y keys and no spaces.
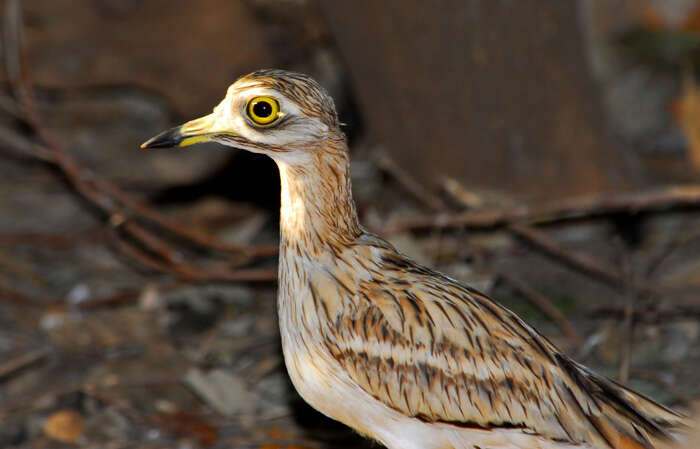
{"x":56,"y":241}
{"x":581,"y":262}
{"x":18,"y":363}
{"x":646,"y":315}
{"x":679,"y":241}
{"x":668,"y":385}
{"x":627,"y":321}
{"x":20,"y":299}
{"x":544,"y":305}
{"x":144,"y":258}
{"x":192,"y":274}
{"x":567,"y":209}
{"x":10,"y":139}
{"x":417,"y":190}
{"x":167,"y":224}
{"x":174,"y":259}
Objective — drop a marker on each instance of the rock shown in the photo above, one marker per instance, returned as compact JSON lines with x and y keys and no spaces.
{"x":238,"y":327}
{"x":107,"y":425}
{"x":221,"y":390}
{"x":79,"y":293}
{"x":52,"y":321}
{"x":245,"y":230}
{"x":151,"y":299}
{"x":275,"y":395}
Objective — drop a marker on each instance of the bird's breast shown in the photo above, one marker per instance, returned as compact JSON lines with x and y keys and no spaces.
{"x":305,"y":355}
{"x":307,"y":301}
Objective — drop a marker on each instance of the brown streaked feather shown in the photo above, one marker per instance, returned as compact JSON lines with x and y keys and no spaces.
{"x":436,"y":350}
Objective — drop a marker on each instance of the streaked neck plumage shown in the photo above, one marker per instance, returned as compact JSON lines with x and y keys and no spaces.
{"x":317,"y":209}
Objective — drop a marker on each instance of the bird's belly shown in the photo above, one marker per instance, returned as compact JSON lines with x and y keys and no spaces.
{"x":322,"y":382}
{"x":311,"y":368}
{"x":329,"y":390}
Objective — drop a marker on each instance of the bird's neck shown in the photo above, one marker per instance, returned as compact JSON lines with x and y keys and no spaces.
{"x":317,"y":209}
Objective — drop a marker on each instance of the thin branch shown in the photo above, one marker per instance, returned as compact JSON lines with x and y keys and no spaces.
{"x":647,"y":315}
{"x":545,"y":305}
{"x":560,"y":210}
{"x":628,"y":317}
{"x":56,"y":241}
{"x":413,"y":187}
{"x":162,"y":221}
{"x":21,"y":362}
{"x":659,"y":379}
{"x":583,"y":263}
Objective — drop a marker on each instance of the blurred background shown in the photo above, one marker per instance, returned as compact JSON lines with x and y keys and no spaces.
{"x":547,"y":154}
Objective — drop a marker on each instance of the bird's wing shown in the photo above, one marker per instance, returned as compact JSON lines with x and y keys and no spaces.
{"x":429,"y":347}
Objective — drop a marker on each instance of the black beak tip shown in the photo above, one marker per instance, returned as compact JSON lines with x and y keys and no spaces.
{"x":166,"y":139}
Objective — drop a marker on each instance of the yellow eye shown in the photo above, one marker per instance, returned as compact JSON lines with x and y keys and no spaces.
{"x":263,"y":111}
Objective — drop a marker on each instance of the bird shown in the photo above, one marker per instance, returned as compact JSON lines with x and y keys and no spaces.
{"x":399,"y":352}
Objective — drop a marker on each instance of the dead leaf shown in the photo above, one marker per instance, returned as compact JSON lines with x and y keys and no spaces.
{"x":66,"y":426}
{"x":276,"y":432}
{"x":188,"y":425}
{"x":221,"y":390}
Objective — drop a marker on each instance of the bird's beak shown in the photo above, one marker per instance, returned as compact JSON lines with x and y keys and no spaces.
{"x":196,"y":131}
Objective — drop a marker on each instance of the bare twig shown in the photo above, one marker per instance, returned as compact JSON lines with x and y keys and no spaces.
{"x":560,"y":210}
{"x":647,"y":315}
{"x":628,"y":317}
{"x":23,"y":146}
{"x":679,"y":240}
{"x":418,"y":191}
{"x":21,"y":362}
{"x":545,"y":305}
{"x":9,"y":295}
{"x":665,"y":383}
{"x":159,"y":219}
{"x":189,"y":273}
{"x":583,"y":263}
{"x":57,"y":241}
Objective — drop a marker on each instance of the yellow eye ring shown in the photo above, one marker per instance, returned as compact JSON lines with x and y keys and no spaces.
{"x":263,"y":111}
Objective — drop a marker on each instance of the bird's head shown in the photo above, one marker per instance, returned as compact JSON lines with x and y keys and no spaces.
{"x":282,"y":114}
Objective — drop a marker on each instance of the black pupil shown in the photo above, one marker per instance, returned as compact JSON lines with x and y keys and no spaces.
{"x":262,"y":109}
